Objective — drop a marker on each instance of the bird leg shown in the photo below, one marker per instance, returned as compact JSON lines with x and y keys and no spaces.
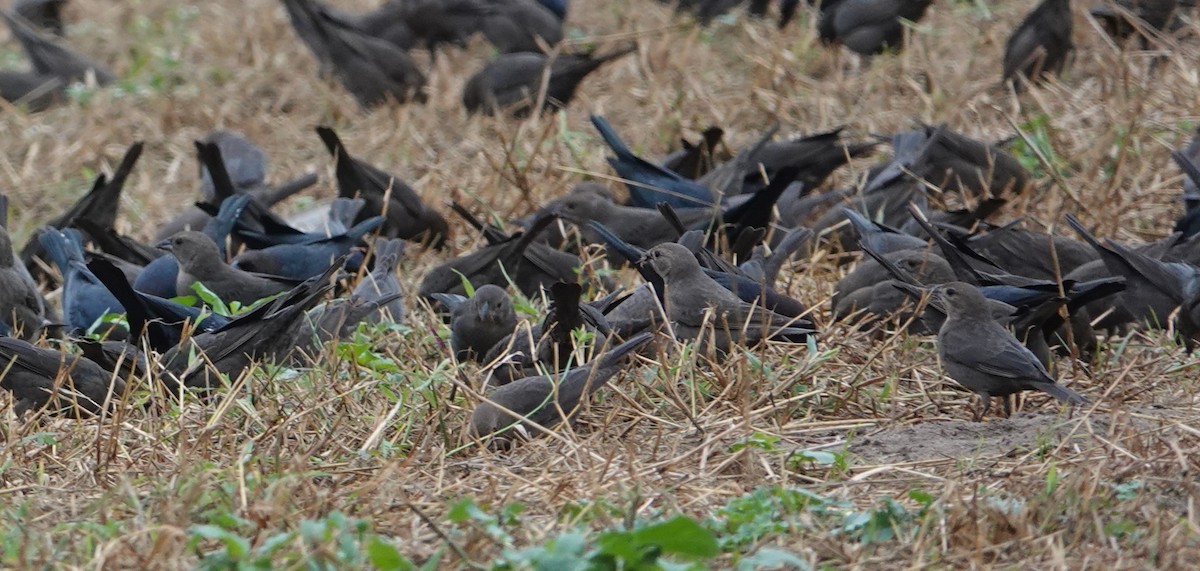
{"x":987,"y":403}
{"x":1007,"y":399}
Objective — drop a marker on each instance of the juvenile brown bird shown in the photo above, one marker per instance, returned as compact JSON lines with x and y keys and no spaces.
{"x":533,"y":404}
{"x":690,"y":295}
{"x":984,"y":357}
{"x":69,"y":385}
{"x":200,"y":261}
{"x":480,"y":322}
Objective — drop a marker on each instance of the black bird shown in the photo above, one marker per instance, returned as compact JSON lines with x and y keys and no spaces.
{"x":45,"y":14}
{"x":303,"y":261}
{"x":408,"y":217}
{"x":869,"y":27}
{"x":31,"y":90}
{"x":51,"y":58}
{"x":648,"y":183}
{"x":694,"y":160}
{"x":814,"y":158}
{"x":479,"y":323}
{"x":534,"y":404}
{"x":373,"y":70}
{"x":1122,"y":19}
{"x":515,"y":26}
{"x":514,"y":83}
{"x":63,"y":384}
{"x":1039,"y":47}
{"x":245,"y":163}
{"x":984,"y":357}
{"x":84,"y":299}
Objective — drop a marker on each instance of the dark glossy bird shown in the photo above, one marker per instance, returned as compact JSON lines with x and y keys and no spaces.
{"x":1039,"y":47}
{"x":303,"y":261}
{"x":869,"y":27}
{"x":407,"y":216}
{"x":813,"y":158}
{"x":267,"y":333}
{"x":530,"y":265}
{"x":694,"y":160}
{"x":94,"y":213}
{"x":515,"y":26}
{"x":984,"y":357}
{"x":32,"y":91}
{"x":517,"y":83}
{"x":477,"y":324}
{"x":388,"y":22}
{"x":51,"y":58}
{"x":532,"y":405}
{"x":648,"y":183}
{"x":45,"y":14}
{"x":60,"y":383}
{"x":245,"y":163}
{"x":373,"y":70}
{"x":84,"y":299}
{"x":200,"y":261}
{"x":1122,"y":19}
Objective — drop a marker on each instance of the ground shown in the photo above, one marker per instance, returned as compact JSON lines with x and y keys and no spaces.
{"x":854,"y":452}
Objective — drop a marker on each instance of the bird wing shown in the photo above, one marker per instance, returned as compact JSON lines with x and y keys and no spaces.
{"x":993,"y":351}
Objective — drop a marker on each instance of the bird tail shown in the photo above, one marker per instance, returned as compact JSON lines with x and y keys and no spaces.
{"x":221,"y":225}
{"x":210,"y":157}
{"x":611,"y":137}
{"x":270,"y":196}
{"x":388,"y":252}
{"x":365,"y":227}
{"x":1061,"y":393}
{"x":127,"y":163}
{"x":616,"y":54}
{"x":345,"y":210}
{"x":614,"y":356}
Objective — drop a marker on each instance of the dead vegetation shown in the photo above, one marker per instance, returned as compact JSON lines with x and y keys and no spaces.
{"x":854,"y":453}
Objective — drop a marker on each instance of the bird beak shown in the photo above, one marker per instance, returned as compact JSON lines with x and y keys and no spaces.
{"x":485,"y":310}
{"x":165,"y":245}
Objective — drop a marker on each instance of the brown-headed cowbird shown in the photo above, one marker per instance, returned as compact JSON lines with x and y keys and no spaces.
{"x":511,"y":83}
{"x":534,"y":404}
{"x":408,"y":216}
{"x":68,"y":385}
{"x":1039,"y":47}
{"x":201,"y":261}
{"x":984,"y":357}
{"x":644,"y":228}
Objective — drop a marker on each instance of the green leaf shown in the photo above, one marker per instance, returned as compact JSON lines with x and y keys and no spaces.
{"x":682,"y":536}
{"x":211,"y":299}
{"x":385,"y":556}
{"x":772,"y":558}
{"x":236,"y":547}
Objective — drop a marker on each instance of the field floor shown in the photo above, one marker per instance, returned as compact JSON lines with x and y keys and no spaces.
{"x":855,"y":452}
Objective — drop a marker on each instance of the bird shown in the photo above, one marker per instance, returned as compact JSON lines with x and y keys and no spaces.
{"x":690,"y":296}
{"x":51,"y":58}
{"x":200,"y":261}
{"x":61,"y":383}
{"x":515,"y":83}
{"x":515,"y":26}
{"x":694,"y":160}
{"x":641,"y":227}
{"x":984,"y":357}
{"x":22,"y":308}
{"x":478,"y":323}
{"x":647,"y":182}
{"x":869,"y":27}
{"x":373,"y":70}
{"x":45,"y":14}
{"x":534,"y":404}
{"x":1039,"y":46}
{"x":85,"y":300}
{"x":303,"y":261}
{"x":245,"y":163}
{"x":381,"y":281}
{"x":407,"y":216}
{"x":1122,"y":19}
{"x":32,"y":91}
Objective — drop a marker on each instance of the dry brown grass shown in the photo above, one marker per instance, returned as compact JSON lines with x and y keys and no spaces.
{"x":1113,"y":485}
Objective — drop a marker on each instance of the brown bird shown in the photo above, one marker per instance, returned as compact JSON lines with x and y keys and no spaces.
{"x":690,"y":295}
{"x":69,"y":385}
{"x":534,"y":404}
{"x":200,"y":261}
{"x":984,"y":357}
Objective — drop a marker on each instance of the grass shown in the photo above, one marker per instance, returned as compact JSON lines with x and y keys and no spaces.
{"x":853,"y":453}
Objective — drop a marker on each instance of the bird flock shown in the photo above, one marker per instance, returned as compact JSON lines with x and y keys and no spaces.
{"x":229,"y":283}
